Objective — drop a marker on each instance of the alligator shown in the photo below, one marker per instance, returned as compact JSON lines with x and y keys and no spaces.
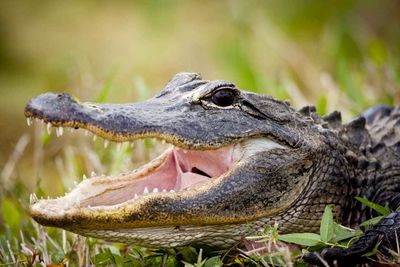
{"x":237,"y":162}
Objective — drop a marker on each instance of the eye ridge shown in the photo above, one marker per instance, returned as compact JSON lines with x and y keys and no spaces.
{"x":224,"y":97}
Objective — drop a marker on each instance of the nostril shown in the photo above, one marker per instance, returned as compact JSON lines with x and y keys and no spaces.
{"x":200,"y":172}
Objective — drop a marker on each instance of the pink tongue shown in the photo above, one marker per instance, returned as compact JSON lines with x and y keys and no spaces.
{"x":188,"y":179}
{"x":213,"y":163}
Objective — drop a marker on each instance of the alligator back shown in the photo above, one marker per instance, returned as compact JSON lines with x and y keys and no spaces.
{"x":383,"y":124}
{"x":374,"y":138}
{"x":373,"y":146}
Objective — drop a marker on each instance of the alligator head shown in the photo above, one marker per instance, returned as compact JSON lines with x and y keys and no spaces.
{"x":238,"y":162}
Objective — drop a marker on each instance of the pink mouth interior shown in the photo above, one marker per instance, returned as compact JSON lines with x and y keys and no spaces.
{"x":179,"y":170}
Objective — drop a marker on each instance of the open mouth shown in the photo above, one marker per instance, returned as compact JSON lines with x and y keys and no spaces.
{"x":174,"y":171}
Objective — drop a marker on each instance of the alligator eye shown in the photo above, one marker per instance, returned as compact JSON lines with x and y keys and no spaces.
{"x":223,"y":97}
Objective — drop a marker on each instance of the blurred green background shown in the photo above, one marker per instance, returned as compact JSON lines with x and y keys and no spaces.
{"x":334,"y":54}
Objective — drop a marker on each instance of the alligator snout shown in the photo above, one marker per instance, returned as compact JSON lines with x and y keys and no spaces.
{"x":52,"y":107}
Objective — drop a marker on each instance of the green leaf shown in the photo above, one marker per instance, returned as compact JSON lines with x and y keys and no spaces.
{"x":113,"y":249}
{"x":189,"y":254}
{"x":200,"y":262}
{"x":370,"y":222}
{"x":342,"y":233}
{"x":111,"y":254}
{"x":326,"y":228}
{"x":378,"y":208}
{"x":213,"y":262}
{"x":172,"y":262}
{"x":102,"y":259}
{"x":304,"y":239}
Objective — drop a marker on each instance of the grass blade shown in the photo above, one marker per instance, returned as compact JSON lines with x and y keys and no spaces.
{"x":378,"y":208}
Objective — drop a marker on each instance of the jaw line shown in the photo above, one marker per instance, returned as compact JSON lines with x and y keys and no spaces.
{"x":77,"y":202}
{"x":84,"y":195}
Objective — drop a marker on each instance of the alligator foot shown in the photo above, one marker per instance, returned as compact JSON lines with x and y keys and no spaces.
{"x":384,"y":236}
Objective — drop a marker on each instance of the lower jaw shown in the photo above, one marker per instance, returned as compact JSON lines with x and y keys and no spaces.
{"x":218,"y":236}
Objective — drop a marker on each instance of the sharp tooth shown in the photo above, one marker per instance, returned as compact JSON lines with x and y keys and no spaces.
{"x":119,"y":145}
{"x":172,"y":191}
{"x":146,"y":190}
{"x":59,"y":131}
{"x":136,"y":196}
{"x":93,"y":174}
{"x":86,"y":132}
{"x":49,"y":128}
{"x":94,"y":137}
{"x":185,"y":151}
{"x":155,"y":190}
{"x":33,"y":198}
{"x":106,"y":143}
{"x":29,"y":121}
{"x":84,"y":177}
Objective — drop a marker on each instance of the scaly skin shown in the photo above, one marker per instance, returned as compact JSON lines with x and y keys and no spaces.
{"x":314,"y":162}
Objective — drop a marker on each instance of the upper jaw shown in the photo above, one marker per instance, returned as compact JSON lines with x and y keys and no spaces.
{"x":155,"y":118}
{"x":168,"y":117}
